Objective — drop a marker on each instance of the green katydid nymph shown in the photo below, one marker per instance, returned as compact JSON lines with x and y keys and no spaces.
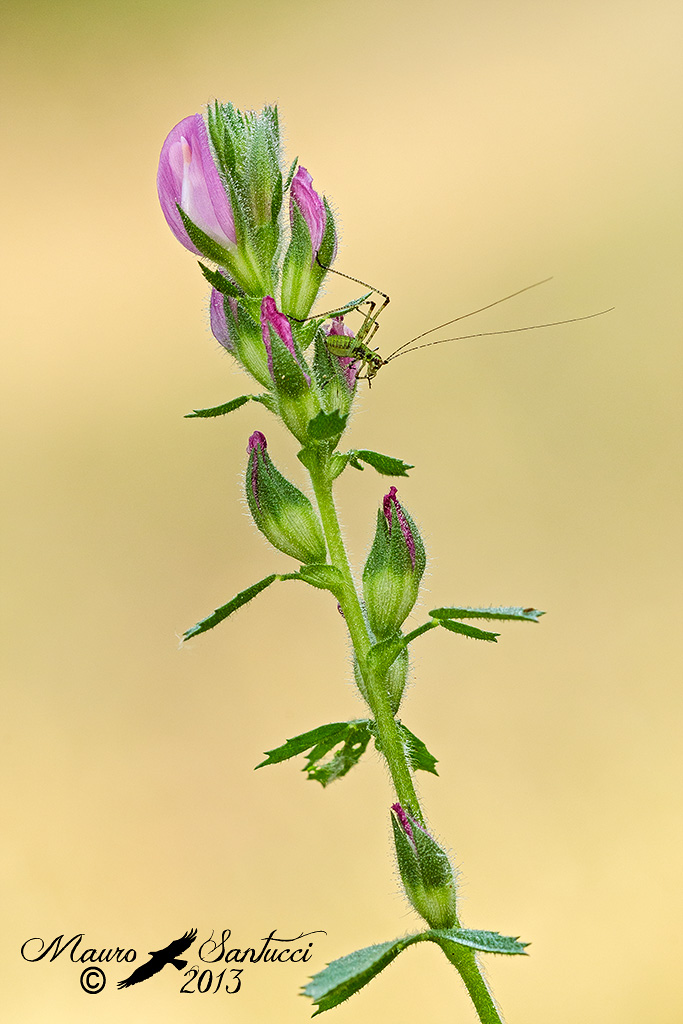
{"x":371,"y":361}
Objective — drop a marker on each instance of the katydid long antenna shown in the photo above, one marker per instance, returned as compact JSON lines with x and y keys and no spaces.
{"x":491,"y":334}
{"x":464,"y":316}
{"x":370,"y":323}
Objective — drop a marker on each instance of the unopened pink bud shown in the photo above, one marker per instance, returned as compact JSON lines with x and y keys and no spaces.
{"x":390,"y":500}
{"x":219,"y":323}
{"x":271,"y":317}
{"x":310,"y":206}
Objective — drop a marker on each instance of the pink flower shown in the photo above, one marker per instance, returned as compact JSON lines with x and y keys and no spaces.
{"x":309,"y":205}
{"x":188,"y":177}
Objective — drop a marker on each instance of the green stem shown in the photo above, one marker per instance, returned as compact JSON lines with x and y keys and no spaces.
{"x":465,"y":961}
{"x":389,"y":738}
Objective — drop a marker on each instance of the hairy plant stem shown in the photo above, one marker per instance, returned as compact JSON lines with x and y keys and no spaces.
{"x":349,"y":602}
{"x":464,"y":960}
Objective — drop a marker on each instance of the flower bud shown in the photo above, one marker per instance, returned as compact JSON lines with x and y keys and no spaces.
{"x":298,"y":402}
{"x":277,"y":335}
{"x":335,"y":375}
{"x":312,"y":248}
{"x":309,"y":204}
{"x":425,"y":869}
{"x":219,"y":323}
{"x":392,"y":573}
{"x":282,"y":513}
{"x":188,"y":177}
{"x":225,"y":177}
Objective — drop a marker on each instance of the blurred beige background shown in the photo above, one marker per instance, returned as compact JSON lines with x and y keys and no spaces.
{"x":469,"y":149}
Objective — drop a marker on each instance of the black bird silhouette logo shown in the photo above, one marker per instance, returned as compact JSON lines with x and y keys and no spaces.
{"x":160,"y":958}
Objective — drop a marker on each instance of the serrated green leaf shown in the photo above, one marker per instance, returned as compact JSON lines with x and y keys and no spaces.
{"x":384,"y":464}
{"x":345,"y":976}
{"x":343,"y":760}
{"x":471,"y":631}
{"x":326,"y":425}
{"x":353,"y":737}
{"x":418,"y":755}
{"x":486,"y":942}
{"x":298,"y":744}
{"x":227,"y":609}
{"x":220,"y":410}
{"x":513,"y":614}
{"x":220,"y":283}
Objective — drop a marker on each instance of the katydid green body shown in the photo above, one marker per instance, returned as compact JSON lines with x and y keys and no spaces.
{"x":357,"y":348}
{"x":353,"y":348}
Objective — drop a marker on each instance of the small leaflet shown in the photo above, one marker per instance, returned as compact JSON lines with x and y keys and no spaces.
{"x":225,"y":610}
{"x":384,"y":464}
{"x":511,"y":614}
{"x":351,"y":737}
{"x":471,"y":631}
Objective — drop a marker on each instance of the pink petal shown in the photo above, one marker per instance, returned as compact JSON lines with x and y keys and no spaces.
{"x":188,"y":176}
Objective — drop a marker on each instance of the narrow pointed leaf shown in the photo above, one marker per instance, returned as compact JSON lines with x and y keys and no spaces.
{"x":234,"y":403}
{"x":513,"y":614}
{"x":384,"y":464}
{"x":227,"y":609}
{"x":487,"y":942}
{"x":471,"y":631}
{"x":219,"y":410}
{"x":221,"y":283}
{"x":345,"y":976}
